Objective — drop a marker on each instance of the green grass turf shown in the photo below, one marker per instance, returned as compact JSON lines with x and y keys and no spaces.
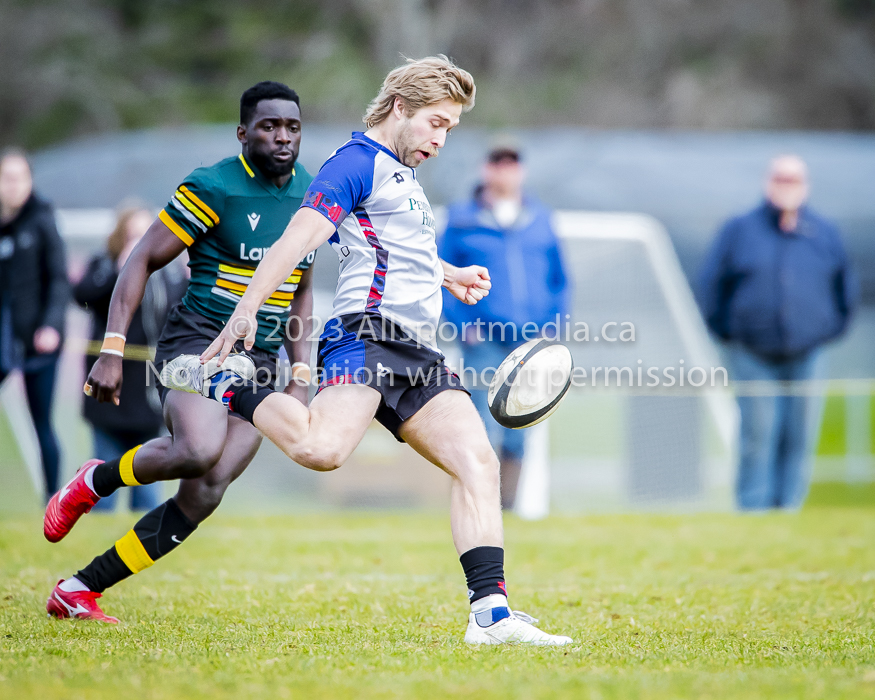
{"x":372,"y":606}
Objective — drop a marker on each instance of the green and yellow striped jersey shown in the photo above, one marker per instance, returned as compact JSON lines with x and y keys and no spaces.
{"x":229,"y":215}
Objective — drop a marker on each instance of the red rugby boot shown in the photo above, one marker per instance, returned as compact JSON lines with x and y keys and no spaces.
{"x":79,"y":604}
{"x":70,"y":503}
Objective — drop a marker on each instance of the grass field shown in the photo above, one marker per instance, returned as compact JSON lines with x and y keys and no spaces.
{"x":372,"y":606}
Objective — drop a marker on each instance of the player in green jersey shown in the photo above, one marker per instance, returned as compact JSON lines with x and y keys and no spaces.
{"x":227,"y":216}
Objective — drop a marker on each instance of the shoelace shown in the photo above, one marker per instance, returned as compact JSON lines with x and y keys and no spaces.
{"x":194,"y":376}
{"x":524,"y":617}
{"x":183,"y":375}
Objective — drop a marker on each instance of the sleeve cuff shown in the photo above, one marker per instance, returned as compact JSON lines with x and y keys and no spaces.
{"x":335,"y":213}
{"x":180,"y":232}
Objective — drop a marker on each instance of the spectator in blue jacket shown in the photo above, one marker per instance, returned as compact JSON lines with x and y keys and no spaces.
{"x":510,"y":233}
{"x":777,"y":285}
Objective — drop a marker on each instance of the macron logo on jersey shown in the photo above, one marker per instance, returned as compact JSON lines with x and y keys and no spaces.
{"x":253,"y":219}
{"x":382,"y":370}
{"x":323,"y":204}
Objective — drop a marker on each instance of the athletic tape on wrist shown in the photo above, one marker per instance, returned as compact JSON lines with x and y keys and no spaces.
{"x":301,"y":373}
{"x":113,"y":344}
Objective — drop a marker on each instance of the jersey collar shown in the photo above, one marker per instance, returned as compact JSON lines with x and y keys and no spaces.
{"x":256,"y":175}
{"x":360,"y":136}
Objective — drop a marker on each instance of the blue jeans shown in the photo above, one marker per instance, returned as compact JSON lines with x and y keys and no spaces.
{"x":112,"y":445}
{"x":776,"y":431}
{"x":478,"y":356}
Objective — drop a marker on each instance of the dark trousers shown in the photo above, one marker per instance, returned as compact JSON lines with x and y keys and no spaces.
{"x":39,"y":383}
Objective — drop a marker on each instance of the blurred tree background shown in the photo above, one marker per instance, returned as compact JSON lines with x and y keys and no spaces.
{"x":75,"y":67}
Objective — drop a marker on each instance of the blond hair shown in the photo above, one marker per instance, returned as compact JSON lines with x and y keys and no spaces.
{"x":419,"y":83}
{"x":118,"y":239}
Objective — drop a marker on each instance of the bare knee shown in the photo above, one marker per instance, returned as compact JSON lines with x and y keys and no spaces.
{"x":320,"y":459}
{"x":192,"y":460}
{"x":479,"y":469}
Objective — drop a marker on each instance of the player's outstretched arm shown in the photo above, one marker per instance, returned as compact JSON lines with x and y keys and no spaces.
{"x":157,"y":248}
{"x":307,"y":230}
{"x":296,"y":337}
{"x":468,"y":284}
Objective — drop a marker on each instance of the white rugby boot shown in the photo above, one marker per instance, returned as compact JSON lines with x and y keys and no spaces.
{"x":186,"y":373}
{"x":506,"y":626}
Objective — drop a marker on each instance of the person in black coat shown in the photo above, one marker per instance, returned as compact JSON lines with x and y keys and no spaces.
{"x":33,"y":298}
{"x":138,"y":417}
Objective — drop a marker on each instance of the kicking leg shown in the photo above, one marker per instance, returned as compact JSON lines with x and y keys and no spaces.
{"x":449,"y":433}
{"x":158,"y":532}
{"x":321,"y":437}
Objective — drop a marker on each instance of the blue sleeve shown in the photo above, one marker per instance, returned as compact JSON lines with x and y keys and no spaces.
{"x":448,"y":246}
{"x":846,"y":285}
{"x":715,"y":281}
{"x":557,"y":278}
{"x":458,"y":313}
{"x":342,"y":183}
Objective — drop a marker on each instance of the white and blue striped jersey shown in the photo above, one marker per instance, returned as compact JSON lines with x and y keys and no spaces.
{"x":385,"y":237}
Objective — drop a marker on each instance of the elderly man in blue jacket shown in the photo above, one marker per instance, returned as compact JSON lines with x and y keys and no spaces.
{"x":509,"y":232}
{"x":777,"y":285}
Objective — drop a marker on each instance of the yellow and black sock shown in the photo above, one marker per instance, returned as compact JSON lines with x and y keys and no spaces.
{"x":112,"y":475}
{"x":157,"y":533}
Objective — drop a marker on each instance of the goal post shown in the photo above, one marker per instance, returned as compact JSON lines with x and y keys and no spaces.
{"x":633,"y":446}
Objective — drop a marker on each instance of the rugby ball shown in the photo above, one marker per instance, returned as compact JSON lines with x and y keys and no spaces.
{"x":530,"y":383}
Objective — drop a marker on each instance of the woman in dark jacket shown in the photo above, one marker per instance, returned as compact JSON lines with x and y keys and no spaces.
{"x":137,"y":418}
{"x":33,"y":298}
